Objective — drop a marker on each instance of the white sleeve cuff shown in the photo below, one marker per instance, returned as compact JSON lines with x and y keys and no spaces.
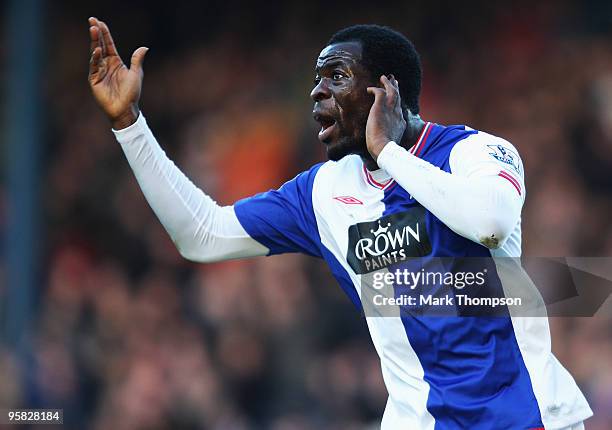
{"x":391,"y":151}
{"x":127,"y":134}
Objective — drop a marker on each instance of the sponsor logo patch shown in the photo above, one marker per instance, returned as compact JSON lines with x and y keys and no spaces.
{"x":389,"y":240}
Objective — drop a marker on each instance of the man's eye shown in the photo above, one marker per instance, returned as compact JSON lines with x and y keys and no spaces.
{"x":337,"y":76}
{"x":316,"y":80}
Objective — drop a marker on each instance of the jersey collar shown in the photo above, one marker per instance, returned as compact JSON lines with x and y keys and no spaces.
{"x":378,"y":178}
{"x":381,"y":179}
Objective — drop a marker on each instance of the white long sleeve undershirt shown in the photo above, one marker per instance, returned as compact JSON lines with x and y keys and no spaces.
{"x":473,"y":201}
{"x":201,"y":229}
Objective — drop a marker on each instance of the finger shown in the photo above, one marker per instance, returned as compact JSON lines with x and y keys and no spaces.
{"x":391,"y":90}
{"x":393,"y":96}
{"x":107,"y":38}
{"x":96,"y":56}
{"x":138,"y":58}
{"x":93,"y":21}
{"x":386,"y":83}
{"x":378,"y":93}
{"x":95,"y":61}
{"x":384,"y":80}
{"x":94,"y":37}
{"x":395,"y":83}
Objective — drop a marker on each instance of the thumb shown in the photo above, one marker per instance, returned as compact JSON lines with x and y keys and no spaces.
{"x":377,"y":92}
{"x":138,"y":59}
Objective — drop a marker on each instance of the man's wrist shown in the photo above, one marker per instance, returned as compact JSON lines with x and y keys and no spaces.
{"x":376,"y":148}
{"x":389,"y":151}
{"x":126,"y":119}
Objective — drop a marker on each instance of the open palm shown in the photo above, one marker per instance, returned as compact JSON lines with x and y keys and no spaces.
{"x":115,"y":87}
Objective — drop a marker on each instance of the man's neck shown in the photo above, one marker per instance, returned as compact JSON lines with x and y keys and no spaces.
{"x":414,"y":127}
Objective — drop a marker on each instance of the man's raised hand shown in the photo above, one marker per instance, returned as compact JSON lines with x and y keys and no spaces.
{"x":115,"y":87}
{"x":385,"y":122}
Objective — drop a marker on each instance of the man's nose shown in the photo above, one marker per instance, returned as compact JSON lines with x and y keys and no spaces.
{"x":320,"y":91}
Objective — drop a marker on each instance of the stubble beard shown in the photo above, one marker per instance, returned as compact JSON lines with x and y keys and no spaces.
{"x":347,"y":145}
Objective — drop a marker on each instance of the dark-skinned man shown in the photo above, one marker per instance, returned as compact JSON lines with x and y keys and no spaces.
{"x":397,"y":195}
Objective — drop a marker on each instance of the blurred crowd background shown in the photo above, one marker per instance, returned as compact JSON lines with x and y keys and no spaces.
{"x":125,"y":334}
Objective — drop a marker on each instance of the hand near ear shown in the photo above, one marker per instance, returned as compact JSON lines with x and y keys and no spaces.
{"x":386,"y":122}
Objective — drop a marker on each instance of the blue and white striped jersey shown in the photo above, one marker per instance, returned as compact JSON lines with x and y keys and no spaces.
{"x":457,"y":370}
{"x":452,"y":372}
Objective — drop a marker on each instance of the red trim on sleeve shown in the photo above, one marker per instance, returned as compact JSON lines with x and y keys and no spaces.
{"x":511,"y":179}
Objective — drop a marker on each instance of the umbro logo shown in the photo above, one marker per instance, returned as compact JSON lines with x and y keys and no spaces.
{"x":349,"y":200}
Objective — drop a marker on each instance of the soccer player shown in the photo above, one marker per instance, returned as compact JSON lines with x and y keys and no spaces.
{"x":395,"y":187}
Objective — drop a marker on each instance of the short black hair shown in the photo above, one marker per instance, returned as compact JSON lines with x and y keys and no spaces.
{"x":384,"y":52}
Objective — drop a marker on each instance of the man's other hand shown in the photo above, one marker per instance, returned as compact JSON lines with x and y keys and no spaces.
{"x":115,"y":87}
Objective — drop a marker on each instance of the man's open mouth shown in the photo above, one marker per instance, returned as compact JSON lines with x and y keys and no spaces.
{"x":328,"y":124}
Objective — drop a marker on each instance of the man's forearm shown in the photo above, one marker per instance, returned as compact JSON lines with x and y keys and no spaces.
{"x":201,"y":230}
{"x":481,"y":209}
